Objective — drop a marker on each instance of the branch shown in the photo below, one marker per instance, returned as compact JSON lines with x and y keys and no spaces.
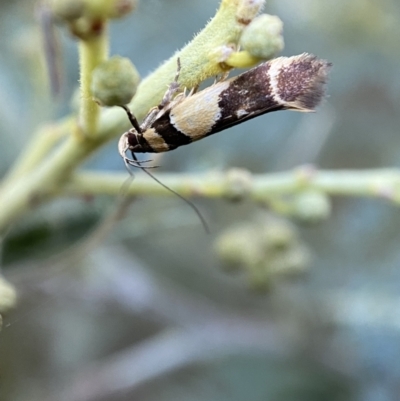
{"x":37,"y":179}
{"x":379,"y":183}
{"x":92,"y":52}
{"x":201,"y":58}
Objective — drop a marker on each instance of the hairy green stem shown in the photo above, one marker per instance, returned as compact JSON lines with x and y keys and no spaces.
{"x":39,"y":146}
{"x":201,"y":58}
{"x":380,"y":183}
{"x":26,"y":191}
{"x":92,"y":52}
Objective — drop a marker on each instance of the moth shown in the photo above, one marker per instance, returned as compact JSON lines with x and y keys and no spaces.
{"x":285,"y":83}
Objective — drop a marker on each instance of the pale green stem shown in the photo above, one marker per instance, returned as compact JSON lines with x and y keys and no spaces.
{"x":23,"y":193}
{"x":380,"y":183}
{"x":27,"y":192}
{"x":39,"y":146}
{"x":200,"y":59}
{"x":92,"y":52}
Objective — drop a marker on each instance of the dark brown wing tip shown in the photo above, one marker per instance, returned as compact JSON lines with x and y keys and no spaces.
{"x":300,"y":81}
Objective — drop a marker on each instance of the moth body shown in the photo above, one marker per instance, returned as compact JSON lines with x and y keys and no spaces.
{"x":286,"y":83}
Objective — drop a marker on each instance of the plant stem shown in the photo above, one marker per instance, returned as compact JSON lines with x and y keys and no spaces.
{"x":28,"y":189}
{"x":380,"y":183}
{"x":92,"y":52}
{"x":39,"y":146}
{"x":20,"y":195}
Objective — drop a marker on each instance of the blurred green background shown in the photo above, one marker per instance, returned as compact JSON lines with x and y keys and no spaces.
{"x":149,"y":313}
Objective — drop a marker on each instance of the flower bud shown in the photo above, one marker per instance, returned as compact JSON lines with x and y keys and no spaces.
{"x":114,"y":82}
{"x":265,"y":250}
{"x":248,"y":9}
{"x":68,"y":10}
{"x":311,"y":207}
{"x":262,"y":38}
{"x":239,"y":184}
{"x":277,"y":234}
{"x":235,"y":246}
{"x":109,"y":9}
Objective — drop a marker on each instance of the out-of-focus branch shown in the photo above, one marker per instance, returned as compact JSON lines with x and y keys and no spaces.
{"x":379,"y":183}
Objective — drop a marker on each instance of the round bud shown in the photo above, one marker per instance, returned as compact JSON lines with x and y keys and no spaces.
{"x":239,"y":184}
{"x":311,"y":207}
{"x":277,"y":234}
{"x":68,"y":10}
{"x":264,"y":250}
{"x":114,"y":82}
{"x":262,"y":38}
{"x":231,"y":246}
{"x":108,"y":9}
{"x":248,"y":9}
{"x":121,"y":8}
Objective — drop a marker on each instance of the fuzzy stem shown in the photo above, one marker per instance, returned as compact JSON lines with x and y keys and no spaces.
{"x":379,"y":183}
{"x":200,"y":59}
{"x":40,"y":145}
{"x":24,"y":192}
{"x":92,"y":52}
{"x":18,"y":196}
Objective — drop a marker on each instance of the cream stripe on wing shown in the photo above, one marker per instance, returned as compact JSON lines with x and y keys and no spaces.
{"x":155,"y":140}
{"x":197,"y":114}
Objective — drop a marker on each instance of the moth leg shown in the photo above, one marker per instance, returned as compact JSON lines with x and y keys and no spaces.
{"x":169,"y":95}
{"x":224,"y":76}
{"x":137,"y":163}
{"x":172,"y":89}
{"x":221,"y":78}
{"x":149,"y":119}
{"x":193,"y":90}
{"x":152,"y":114}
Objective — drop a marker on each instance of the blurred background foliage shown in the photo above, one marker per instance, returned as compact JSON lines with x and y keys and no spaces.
{"x":150,"y":313}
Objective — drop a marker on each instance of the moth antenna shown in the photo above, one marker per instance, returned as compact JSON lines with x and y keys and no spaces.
{"x":132,"y":119}
{"x":187,"y":201}
{"x":127,"y":165}
{"x":136,"y":163}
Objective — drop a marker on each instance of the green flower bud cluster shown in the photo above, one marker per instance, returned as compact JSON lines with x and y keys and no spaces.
{"x":68,"y":10}
{"x":109,"y":9}
{"x":308,"y":206}
{"x":311,"y":207}
{"x":260,"y":40}
{"x":266,"y":249}
{"x":85,"y":18}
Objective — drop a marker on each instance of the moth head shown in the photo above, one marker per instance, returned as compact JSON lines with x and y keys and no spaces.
{"x":129,"y":141}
